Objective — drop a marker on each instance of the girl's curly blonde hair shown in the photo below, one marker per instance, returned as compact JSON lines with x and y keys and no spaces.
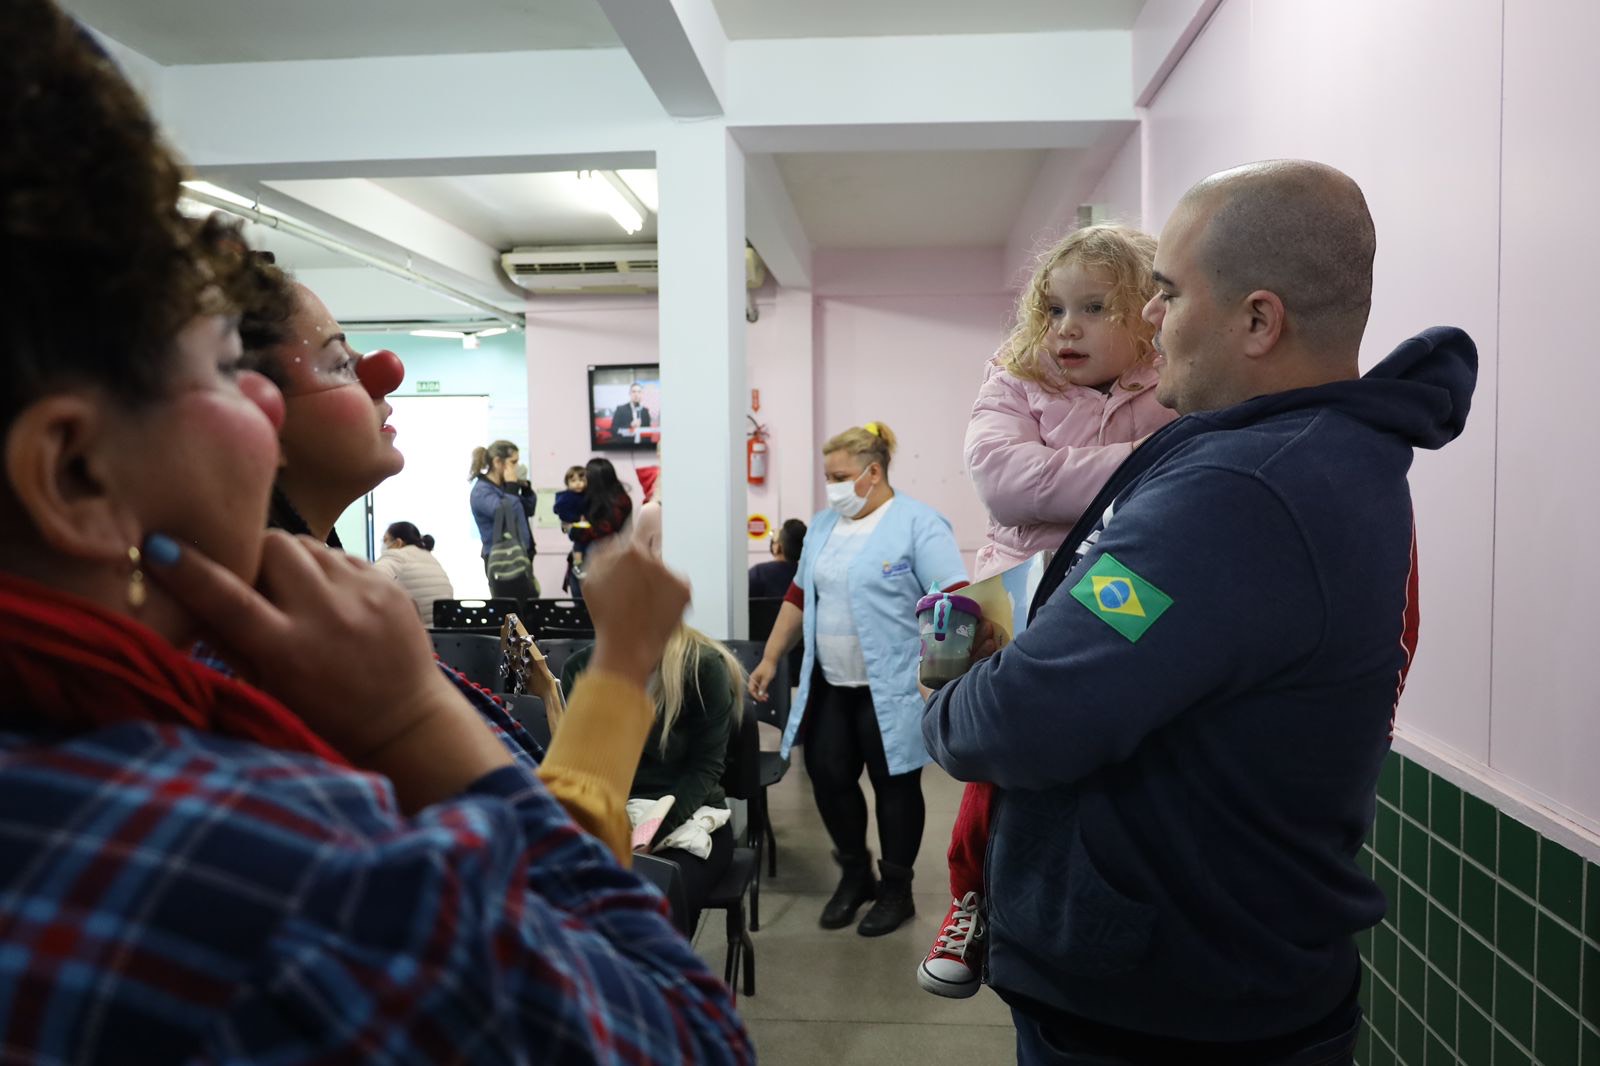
{"x":1121,"y":252}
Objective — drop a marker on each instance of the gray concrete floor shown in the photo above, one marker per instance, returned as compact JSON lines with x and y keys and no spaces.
{"x":837,"y":998}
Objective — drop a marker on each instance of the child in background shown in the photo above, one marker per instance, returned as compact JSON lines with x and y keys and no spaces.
{"x":1063,"y":403}
{"x":570,"y":504}
{"x":605,"y":512}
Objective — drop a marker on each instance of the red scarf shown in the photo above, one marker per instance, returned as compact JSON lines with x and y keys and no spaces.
{"x":71,"y":665}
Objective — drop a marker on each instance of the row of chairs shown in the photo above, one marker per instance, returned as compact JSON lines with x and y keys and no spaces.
{"x":747,"y":775}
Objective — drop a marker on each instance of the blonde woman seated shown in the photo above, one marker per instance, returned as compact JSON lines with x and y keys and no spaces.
{"x":408,"y":558}
{"x":698,"y":691}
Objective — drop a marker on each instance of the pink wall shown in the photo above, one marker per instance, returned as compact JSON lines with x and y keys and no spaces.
{"x":896,"y":336}
{"x":1407,"y":99}
{"x":902,"y":337}
{"x":564,"y":338}
{"x":780,"y":364}
{"x":1545,"y":729}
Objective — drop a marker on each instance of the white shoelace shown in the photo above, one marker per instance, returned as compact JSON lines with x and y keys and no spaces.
{"x":965,"y":926}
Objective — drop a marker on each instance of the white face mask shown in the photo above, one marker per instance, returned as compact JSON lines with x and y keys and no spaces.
{"x":842,"y":497}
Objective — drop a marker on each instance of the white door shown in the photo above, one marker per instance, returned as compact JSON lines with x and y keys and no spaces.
{"x":436,"y":434}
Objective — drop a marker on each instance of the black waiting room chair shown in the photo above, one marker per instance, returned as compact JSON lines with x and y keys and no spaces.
{"x":475,"y":654}
{"x":771,"y":766}
{"x":558,"y":620}
{"x":740,"y":780}
{"x":478,"y":615}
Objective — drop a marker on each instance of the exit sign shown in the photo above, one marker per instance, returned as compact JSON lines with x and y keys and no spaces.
{"x":427,"y":386}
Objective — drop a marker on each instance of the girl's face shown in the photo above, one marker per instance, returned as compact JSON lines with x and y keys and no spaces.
{"x":506,"y":469}
{"x":335,"y":428}
{"x":577,"y":482}
{"x":1081,"y":339}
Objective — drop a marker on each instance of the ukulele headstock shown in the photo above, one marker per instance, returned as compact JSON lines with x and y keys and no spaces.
{"x":517,"y":651}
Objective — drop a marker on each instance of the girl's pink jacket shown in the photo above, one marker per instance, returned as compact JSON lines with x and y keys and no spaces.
{"x":1039,"y":457}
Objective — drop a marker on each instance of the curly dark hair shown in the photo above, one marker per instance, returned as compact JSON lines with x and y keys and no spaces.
{"x":267,"y":303}
{"x":88,"y":219}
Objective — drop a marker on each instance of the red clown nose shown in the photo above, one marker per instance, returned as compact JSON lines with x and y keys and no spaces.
{"x":381,"y":372}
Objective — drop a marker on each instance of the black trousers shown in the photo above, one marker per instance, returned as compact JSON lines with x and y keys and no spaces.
{"x":700,"y":876}
{"x":1060,"y":1040}
{"x":842,"y":738}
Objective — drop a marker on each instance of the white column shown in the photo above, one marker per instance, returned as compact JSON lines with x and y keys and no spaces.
{"x":701,"y":238}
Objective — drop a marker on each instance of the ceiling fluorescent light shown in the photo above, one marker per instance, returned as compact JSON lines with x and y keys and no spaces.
{"x":219,"y":192}
{"x":643,"y":184}
{"x":493,"y":332}
{"x":598,"y":186}
{"x":442,"y":334}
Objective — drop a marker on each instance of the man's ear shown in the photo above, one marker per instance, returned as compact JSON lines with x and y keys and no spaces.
{"x":1263,"y":322}
{"x":57,"y":459}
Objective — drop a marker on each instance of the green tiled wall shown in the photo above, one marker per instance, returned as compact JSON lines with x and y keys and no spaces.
{"x":1490,"y":952}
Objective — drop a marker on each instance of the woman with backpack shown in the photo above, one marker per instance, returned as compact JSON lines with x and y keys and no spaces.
{"x":502,"y":505}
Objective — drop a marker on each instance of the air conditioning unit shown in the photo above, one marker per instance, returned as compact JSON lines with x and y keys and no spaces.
{"x":600,"y":269}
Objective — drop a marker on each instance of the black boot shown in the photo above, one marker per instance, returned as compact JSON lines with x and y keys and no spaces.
{"x":856,"y":886}
{"x":894,"y":906}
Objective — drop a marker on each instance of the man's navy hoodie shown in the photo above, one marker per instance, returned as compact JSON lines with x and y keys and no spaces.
{"x":1187,"y":737}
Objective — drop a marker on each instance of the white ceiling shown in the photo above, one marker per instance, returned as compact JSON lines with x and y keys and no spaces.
{"x":908,"y":199}
{"x":745,"y":19}
{"x":232,"y":31}
{"x":843,"y":199}
{"x":292,"y":251}
{"x":508,"y":210}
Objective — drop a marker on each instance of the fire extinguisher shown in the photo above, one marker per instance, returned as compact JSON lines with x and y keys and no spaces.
{"x":755,"y":454}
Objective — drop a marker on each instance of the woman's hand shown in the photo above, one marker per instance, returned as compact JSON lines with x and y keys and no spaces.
{"x":341,"y":645}
{"x":761,"y":677}
{"x":635,"y":604}
{"x":326,"y":634}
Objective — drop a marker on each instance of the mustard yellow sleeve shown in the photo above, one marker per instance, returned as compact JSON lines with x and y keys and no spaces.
{"x":592,"y":758}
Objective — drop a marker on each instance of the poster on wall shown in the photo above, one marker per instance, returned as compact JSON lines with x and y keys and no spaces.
{"x":624,"y":406}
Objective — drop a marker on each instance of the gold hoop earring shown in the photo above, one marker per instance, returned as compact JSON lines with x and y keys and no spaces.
{"x":136,"y":589}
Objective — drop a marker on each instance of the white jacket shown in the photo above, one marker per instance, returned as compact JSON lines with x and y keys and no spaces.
{"x":420,"y":574}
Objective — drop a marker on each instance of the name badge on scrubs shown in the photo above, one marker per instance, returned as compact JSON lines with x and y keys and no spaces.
{"x":896,"y":569}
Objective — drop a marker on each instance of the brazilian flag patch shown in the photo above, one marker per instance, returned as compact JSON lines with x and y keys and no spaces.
{"x":1121,"y":598}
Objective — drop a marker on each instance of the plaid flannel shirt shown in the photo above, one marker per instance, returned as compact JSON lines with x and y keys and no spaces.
{"x":168,"y":895}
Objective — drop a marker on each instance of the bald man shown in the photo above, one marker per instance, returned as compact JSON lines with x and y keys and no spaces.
{"x":1188,"y":735}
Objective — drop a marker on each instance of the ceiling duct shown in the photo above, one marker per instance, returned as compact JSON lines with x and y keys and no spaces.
{"x":600,"y":269}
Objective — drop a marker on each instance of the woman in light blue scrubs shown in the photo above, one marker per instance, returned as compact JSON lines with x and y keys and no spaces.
{"x":867,"y":559}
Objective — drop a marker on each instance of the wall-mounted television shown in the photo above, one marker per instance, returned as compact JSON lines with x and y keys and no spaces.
{"x":624,"y":406}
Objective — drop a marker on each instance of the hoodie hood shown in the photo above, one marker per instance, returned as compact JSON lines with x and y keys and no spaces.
{"x":1421,"y":392}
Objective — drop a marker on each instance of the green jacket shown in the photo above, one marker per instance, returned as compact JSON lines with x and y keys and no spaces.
{"x":690,"y":769}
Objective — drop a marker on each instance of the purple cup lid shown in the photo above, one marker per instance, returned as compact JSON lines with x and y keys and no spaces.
{"x":957,"y":603}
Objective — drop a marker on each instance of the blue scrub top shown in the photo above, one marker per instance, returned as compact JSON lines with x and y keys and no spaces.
{"x":912,"y":549}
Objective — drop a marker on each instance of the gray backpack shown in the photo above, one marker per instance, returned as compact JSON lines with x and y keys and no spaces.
{"x":508,"y":559}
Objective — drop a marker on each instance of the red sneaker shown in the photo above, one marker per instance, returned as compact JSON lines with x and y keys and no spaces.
{"x":952,"y":968}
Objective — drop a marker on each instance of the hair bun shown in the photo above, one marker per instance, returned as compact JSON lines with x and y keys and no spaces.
{"x":427,"y":542}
